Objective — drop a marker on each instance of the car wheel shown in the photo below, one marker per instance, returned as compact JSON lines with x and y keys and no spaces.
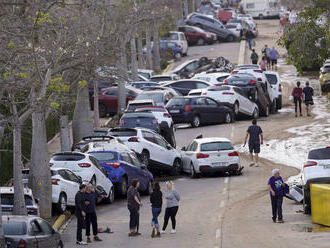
{"x":93,"y":180}
{"x":255,"y":114}
{"x":274,"y":107}
{"x":145,"y":157}
{"x":200,"y":41}
{"x":176,"y":167}
{"x":178,"y":56}
{"x":230,"y":38}
{"x":102,"y":110}
{"x":192,"y":171}
{"x":236,"y":108}
{"x":228,"y":118}
{"x":62,"y":203}
{"x":60,"y":245}
{"x":111,"y":197}
{"x":261,"y":16}
{"x":196,"y":121}
{"x":267,"y":111}
{"x":123,"y":186}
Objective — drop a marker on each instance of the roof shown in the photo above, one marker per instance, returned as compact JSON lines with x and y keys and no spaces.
{"x":145,"y":70}
{"x":213,"y":74}
{"x":151,"y":92}
{"x":211,"y":139}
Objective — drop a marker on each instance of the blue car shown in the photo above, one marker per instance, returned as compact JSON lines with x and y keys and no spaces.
{"x":122,"y":167}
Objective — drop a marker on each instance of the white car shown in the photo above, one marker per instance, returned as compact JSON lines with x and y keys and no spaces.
{"x":164,"y":78}
{"x":65,"y":185}
{"x":276,"y":85}
{"x":253,"y":27}
{"x":234,"y":96}
{"x":146,"y":73}
{"x":153,"y":150}
{"x":316,"y":170}
{"x":134,"y":104}
{"x":85,"y":166}
{"x":245,"y":17}
{"x":210,"y":155}
{"x":179,"y":38}
{"x":7,"y":201}
{"x":215,"y":78}
{"x":159,"y":112}
{"x":235,"y":28}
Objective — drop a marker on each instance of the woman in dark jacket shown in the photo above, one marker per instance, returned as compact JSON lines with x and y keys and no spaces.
{"x":156,"y":200}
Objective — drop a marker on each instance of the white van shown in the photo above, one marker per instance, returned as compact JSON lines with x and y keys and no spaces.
{"x":261,"y":8}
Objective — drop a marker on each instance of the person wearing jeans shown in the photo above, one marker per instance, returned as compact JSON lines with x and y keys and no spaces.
{"x":276,"y":190}
{"x":156,"y":200}
{"x":172,"y":206}
{"x":297,"y":94}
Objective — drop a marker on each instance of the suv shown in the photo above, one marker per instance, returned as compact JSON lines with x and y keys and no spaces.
{"x":179,"y":38}
{"x":153,"y":150}
{"x":196,"y":35}
{"x":136,"y":119}
{"x":211,"y":25}
{"x":275,"y":83}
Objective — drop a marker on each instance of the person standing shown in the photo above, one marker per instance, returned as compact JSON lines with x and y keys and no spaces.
{"x":249,"y":36}
{"x":273,"y":58}
{"x":80,"y":213}
{"x":297,"y":93}
{"x":263,"y":63}
{"x":133,"y":204}
{"x":91,"y":218}
{"x":254,"y":57}
{"x":308,"y":97}
{"x":254,"y":133}
{"x":265,"y":53}
{"x":156,"y":200}
{"x":276,"y":190}
{"x":172,"y":206}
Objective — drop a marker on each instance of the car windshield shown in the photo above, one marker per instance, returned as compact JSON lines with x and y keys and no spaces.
{"x":272,"y":79}
{"x":216,"y":146}
{"x":161,"y":79}
{"x":177,"y":102}
{"x":104,"y":156}
{"x":100,"y":133}
{"x":156,"y":97}
{"x":14,"y":228}
{"x":172,"y":36}
{"x":123,"y":132}
{"x":8,"y":199}
{"x":319,"y":154}
{"x":68,"y":157}
{"x":133,"y":106}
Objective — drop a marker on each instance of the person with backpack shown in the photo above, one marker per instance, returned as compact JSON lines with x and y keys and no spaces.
{"x":156,"y":200}
{"x":308,"y":97}
{"x":297,"y":94}
{"x":254,"y":57}
{"x":249,"y":36}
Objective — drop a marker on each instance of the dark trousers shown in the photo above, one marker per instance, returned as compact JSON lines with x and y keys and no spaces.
{"x":170,"y":213}
{"x":91,"y":218}
{"x":297,"y":103}
{"x":134,"y":219}
{"x":277,"y":207}
{"x":80,"y":226}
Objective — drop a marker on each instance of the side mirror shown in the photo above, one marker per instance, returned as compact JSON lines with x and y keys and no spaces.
{"x":183,"y":148}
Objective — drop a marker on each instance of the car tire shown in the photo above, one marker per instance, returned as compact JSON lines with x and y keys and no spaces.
{"x":261,"y":16}
{"x":111,"y":197}
{"x":93,"y":180}
{"x":266,"y":111}
{"x":279,"y":103}
{"x":200,"y":41}
{"x":274,"y":107}
{"x":236,"y":108}
{"x":230,"y":38}
{"x":178,"y":56}
{"x":192,"y":171}
{"x":196,"y":121}
{"x":145,"y":157}
{"x":122,"y":187}
{"x":307,"y":202}
{"x":62,"y":203}
{"x":102,"y":110}
{"x":228,"y":118}
{"x":176,"y":167}
{"x":255,"y":114}
{"x":60,"y":245}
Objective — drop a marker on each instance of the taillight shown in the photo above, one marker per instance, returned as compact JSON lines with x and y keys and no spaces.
{"x":84,"y":165}
{"x":187,"y":108}
{"x":204,"y":94}
{"x":310,"y":163}
{"x":328,"y":147}
{"x":121,"y":123}
{"x":225,"y":81}
{"x":260,"y":71}
{"x":50,"y":164}
{"x":167,"y":115}
{"x":133,"y":139}
{"x":21,"y":244}
{"x":55,"y":181}
{"x":252,"y":82}
{"x":233,"y":154}
{"x":202,"y":155}
{"x":280,"y":88}
{"x":227,"y":93}
{"x":32,"y":211}
{"x":113,"y":164}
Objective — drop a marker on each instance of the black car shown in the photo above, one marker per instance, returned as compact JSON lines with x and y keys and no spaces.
{"x":198,"y":110}
{"x":145,"y":120}
{"x":186,"y":85}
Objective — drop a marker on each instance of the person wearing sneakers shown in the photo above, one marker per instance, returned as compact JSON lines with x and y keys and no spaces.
{"x":172,"y":206}
{"x":133,"y":204}
{"x":254,"y":133}
{"x":308,"y":97}
{"x":156,"y":200}
{"x":91,"y":218}
{"x":80,"y":213}
{"x":276,"y":190}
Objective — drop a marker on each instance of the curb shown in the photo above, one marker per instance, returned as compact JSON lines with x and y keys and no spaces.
{"x":241,"y":55}
{"x":59,"y":222}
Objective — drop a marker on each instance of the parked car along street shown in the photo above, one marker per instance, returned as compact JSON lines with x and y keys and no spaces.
{"x":159,"y":97}
{"x":197,"y":36}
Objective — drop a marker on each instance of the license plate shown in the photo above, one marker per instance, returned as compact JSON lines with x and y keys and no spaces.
{"x":237,"y":82}
{"x":220,"y":164}
{"x":327,"y":166}
{"x":175,"y":111}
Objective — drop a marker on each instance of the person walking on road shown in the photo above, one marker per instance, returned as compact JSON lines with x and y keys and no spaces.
{"x":277,"y":191}
{"x":133,"y":204}
{"x":80,"y":213}
{"x":263,"y":63}
{"x":273,"y":58}
{"x":156,"y":200}
{"x":308,"y":97}
{"x":172,"y":206}
{"x":249,"y":36}
{"x":297,"y":94}
{"x":254,"y":57}
{"x":91,"y":218}
{"x":266,"y":53}
{"x":254,"y":133}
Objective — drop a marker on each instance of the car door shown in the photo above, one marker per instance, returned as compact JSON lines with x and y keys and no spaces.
{"x":167,"y":154}
{"x":141,"y":172}
{"x":131,"y":170}
{"x":52,"y":238}
{"x":214,"y":113}
{"x":73,"y":183}
{"x":110,"y":99}
{"x":184,"y":43}
{"x":151,"y":145}
{"x":245,"y":105}
{"x":188,"y":156}
{"x":201,"y":109}
{"x":41,"y":237}
{"x":101,"y":177}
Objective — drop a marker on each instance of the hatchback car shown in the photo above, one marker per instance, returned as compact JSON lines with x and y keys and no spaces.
{"x":210,"y":155}
{"x":198,"y":110}
{"x":179,"y":38}
{"x":197,"y":36}
{"x":26,"y":231}
{"x":215,"y":78}
{"x":136,"y":119}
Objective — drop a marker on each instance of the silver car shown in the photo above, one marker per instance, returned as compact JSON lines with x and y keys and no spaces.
{"x":29,"y":232}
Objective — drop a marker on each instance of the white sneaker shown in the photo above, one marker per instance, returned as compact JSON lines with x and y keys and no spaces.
{"x":81,"y":243}
{"x":173,"y":231}
{"x":162,"y":232}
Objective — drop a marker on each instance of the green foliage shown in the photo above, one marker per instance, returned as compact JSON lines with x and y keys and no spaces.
{"x":82,"y":83}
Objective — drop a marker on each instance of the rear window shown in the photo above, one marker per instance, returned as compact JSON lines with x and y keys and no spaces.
{"x":138,"y":115}
{"x":216,"y":146}
{"x":231,"y":26}
{"x":8,"y":199}
{"x":149,"y":110}
{"x":68,"y":157}
{"x":221,"y":88}
{"x":177,"y":102}
{"x":157,"y":97}
{"x":319,"y":154}
{"x":100,"y":133}
{"x":14,"y":228}
{"x":160,"y":79}
{"x":123,"y":133}
{"x":104,"y":156}
{"x":133,"y":106}
{"x":272,"y":79}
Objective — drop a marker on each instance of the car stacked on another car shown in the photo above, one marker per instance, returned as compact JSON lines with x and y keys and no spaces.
{"x":184,"y":86}
{"x":159,"y":97}
{"x":164,"y":78}
{"x":139,"y":119}
{"x":216,"y":78}
{"x":197,"y":36}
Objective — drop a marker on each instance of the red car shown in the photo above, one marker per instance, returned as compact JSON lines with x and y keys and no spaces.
{"x":224,"y":15}
{"x":108,"y":99}
{"x":196,"y":35}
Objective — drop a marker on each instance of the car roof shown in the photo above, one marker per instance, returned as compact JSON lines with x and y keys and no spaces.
{"x":145,"y":70}
{"x":133,"y":128}
{"x":109,"y":148}
{"x":213,"y":74}
{"x":187,"y":80}
{"x":211,"y":139}
{"x":69,"y":153}
{"x":153,"y":92}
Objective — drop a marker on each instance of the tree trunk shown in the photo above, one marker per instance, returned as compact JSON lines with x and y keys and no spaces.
{"x":65,"y":133}
{"x":122,"y":65}
{"x":140,"y":52}
{"x":2,"y":238}
{"x":148,"y":45}
{"x":134,"y":65}
{"x":40,"y":178}
{"x":96,"y":104}
{"x":185,"y":8}
{"x":82,"y":123}
{"x":156,"y":46}
{"x":19,"y":202}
